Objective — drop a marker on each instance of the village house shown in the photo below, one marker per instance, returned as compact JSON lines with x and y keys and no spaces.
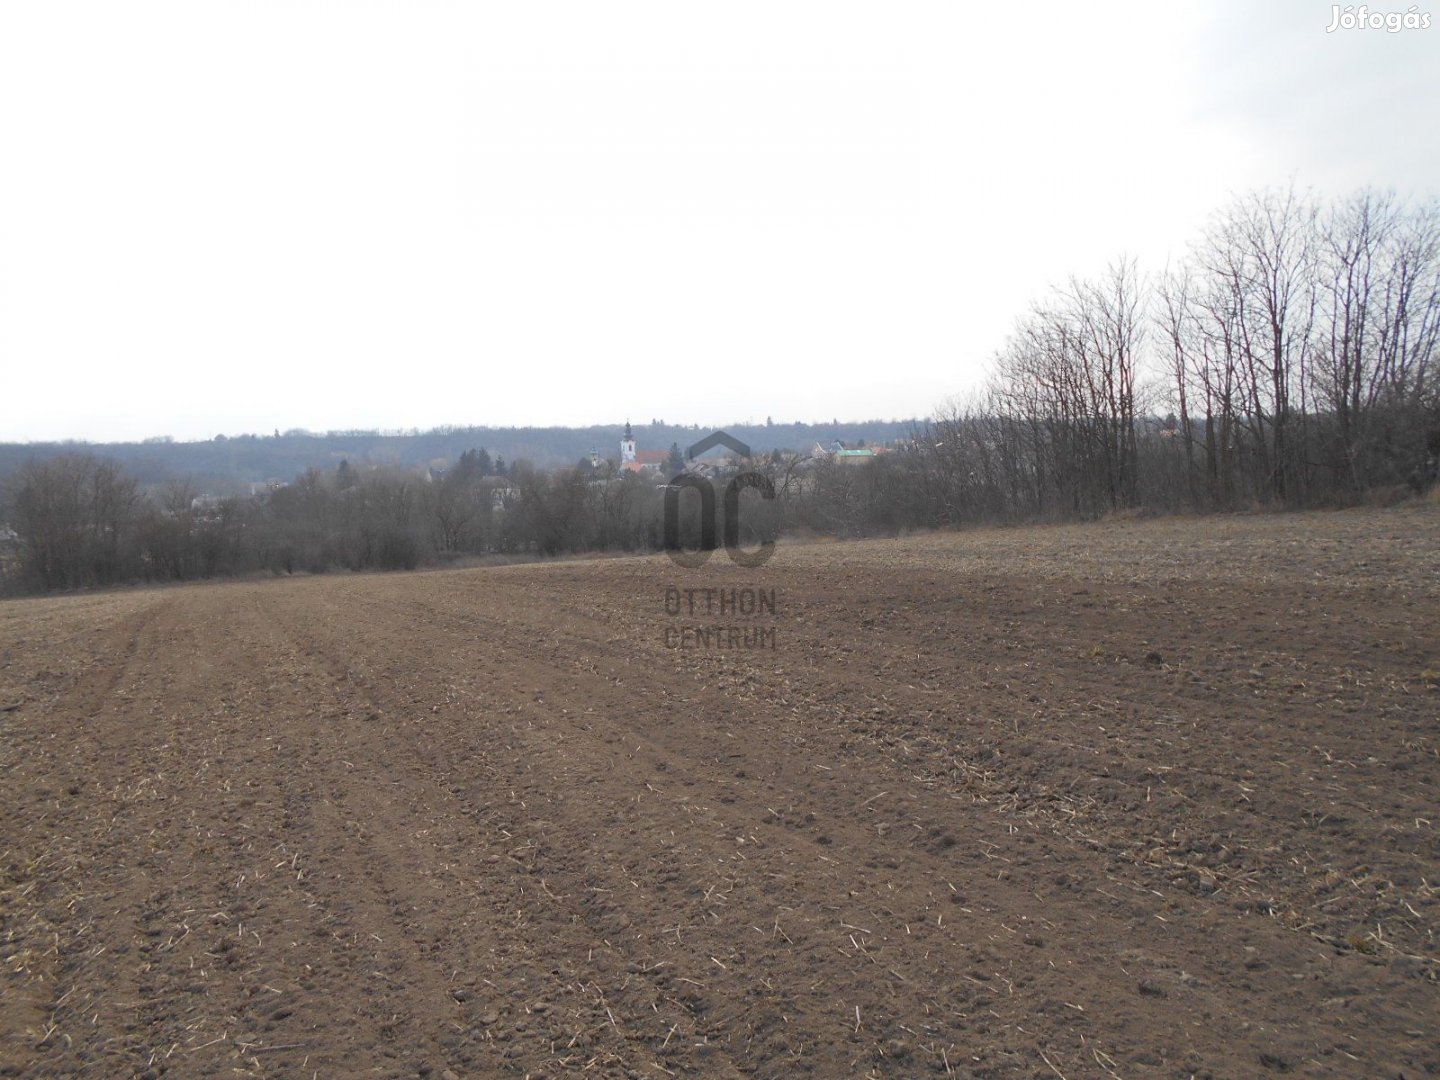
{"x":840,"y":454}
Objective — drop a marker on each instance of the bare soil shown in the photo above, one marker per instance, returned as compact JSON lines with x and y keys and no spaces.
{"x":1138,"y":799}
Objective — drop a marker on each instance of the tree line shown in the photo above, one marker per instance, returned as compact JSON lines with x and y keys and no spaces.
{"x":82,"y":522}
{"x":1287,"y":361}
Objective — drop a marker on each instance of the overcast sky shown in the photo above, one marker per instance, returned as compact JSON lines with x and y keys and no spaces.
{"x":233,"y":217}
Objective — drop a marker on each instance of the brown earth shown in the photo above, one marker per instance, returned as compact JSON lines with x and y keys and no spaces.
{"x":1139,"y":799}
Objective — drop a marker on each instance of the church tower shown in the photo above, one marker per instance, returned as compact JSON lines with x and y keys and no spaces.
{"x":627,"y":445}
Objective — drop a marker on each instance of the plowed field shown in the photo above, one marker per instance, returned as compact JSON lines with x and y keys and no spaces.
{"x":1146,"y":799}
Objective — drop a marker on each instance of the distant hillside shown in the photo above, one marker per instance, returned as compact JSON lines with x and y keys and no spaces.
{"x":229,"y":465}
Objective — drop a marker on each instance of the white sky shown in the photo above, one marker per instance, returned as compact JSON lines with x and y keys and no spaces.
{"x":231,"y":217}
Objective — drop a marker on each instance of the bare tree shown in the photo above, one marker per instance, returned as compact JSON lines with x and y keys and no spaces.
{"x":74,"y":514}
{"x":1260,"y":255}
